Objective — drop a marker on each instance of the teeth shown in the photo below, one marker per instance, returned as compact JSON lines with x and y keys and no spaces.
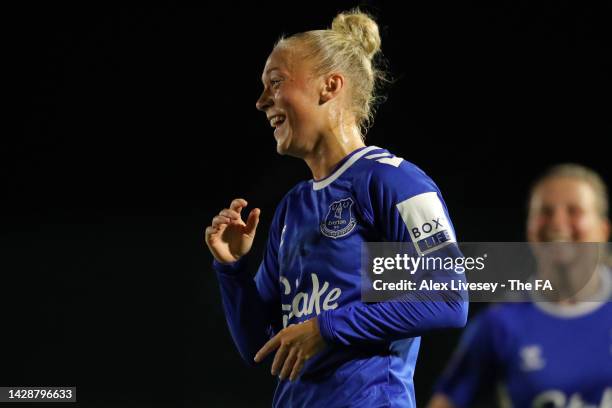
{"x":276,"y":120}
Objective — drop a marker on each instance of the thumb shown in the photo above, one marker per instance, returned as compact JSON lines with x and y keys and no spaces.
{"x":252,"y":221}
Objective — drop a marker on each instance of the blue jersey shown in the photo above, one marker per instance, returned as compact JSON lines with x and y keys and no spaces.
{"x":312,"y":268}
{"x":543,"y":355}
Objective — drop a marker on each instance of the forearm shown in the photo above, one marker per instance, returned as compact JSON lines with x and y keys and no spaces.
{"x":247,"y":316}
{"x":364,"y":323}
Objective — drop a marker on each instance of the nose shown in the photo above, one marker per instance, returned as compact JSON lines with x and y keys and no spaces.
{"x":264,"y":101}
{"x":559,"y":218}
{"x":558,"y":221}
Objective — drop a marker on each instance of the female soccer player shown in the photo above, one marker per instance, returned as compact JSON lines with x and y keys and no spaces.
{"x":546,"y":354}
{"x":330,"y":348}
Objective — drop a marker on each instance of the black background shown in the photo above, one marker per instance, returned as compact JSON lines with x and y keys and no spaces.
{"x":127,"y":130}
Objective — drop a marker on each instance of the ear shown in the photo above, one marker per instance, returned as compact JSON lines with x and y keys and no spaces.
{"x":331,"y":88}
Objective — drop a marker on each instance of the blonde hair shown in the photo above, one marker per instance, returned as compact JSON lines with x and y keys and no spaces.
{"x":349,"y":47}
{"x":581,"y":173}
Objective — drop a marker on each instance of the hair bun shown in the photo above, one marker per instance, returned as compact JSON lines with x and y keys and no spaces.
{"x":361,"y":28}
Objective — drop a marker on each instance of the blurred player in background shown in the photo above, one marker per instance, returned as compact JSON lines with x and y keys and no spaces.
{"x":546,"y":354}
{"x":331,"y":349}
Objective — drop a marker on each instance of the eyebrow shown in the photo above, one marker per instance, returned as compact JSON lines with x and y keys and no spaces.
{"x":268,"y":72}
{"x":272,"y":69}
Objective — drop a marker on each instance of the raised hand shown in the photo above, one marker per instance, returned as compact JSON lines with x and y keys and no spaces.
{"x":228,"y":237}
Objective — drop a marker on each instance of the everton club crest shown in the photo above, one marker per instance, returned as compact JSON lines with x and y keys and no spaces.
{"x":339,"y":220}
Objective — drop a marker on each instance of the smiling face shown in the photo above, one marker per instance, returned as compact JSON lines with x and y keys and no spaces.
{"x":565,"y":209}
{"x":290,"y":100}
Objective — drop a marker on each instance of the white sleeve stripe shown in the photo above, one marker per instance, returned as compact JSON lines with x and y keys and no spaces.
{"x":393,"y":161}
{"x":377,"y":155}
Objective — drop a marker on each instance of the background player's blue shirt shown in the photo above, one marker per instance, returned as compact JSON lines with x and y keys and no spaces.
{"x":312,"y":268}
{"x":546,"y":356}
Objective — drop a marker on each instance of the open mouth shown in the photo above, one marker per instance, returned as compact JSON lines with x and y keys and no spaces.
{"x":277,"y":120}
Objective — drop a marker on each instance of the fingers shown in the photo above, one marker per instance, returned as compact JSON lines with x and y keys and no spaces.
{"x":238,"y":204}
{"x":279,"y":358}
{"x":267,"y":348}
{"x":252,"y":221}
{"x":297,"y":368}
{"x":227,"y":216}
{"x":231,"y":214}
{"x":289,"y":356}
{"x":219,"y":220}
{"x":289,"y":363}
{"x":296,"y":344}
{"x":209,"y":231}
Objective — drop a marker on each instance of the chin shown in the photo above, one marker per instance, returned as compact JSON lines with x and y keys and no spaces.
{"x":284,"y":147}
{"x":280,"y":150}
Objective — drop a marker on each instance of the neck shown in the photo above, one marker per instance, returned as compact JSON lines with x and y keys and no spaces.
{"x":331,"y":149}
{"x":587,"y":293}
{"x":575,"y":283}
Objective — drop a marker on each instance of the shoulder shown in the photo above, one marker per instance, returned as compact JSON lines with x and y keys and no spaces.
{"x":398,"y":194}
{"x":390,"y":174}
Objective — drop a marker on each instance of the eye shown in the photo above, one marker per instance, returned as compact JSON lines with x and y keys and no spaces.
{"x":275,"y":82}
{"x":575,"y":211}
{"x":546,"y":211}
